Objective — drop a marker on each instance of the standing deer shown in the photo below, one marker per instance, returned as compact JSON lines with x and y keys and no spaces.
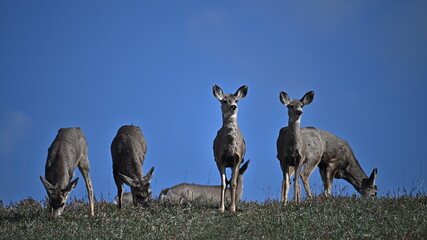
{"x":196,"y":192}
{"x":229,"y":146}
{"x":311,"y":147}
{"x":128,"y":152}
{"x":68,"y":151}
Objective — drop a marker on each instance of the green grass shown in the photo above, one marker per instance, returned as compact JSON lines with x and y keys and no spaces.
{"x":320,"y":218}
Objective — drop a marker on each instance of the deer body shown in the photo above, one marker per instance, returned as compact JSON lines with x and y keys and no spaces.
{"x":195,"y":192}
{"x":128,"y":151}
{"x":311,"y":147}
{"x":229,"y":146}
{"x":68,"y":151}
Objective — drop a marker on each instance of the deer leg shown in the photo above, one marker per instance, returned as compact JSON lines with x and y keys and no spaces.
{"x":297,"y":189}
{"x":119,"y":185}
{"x":135,"y":202}
{"x":233,"y":186}
{"x":84,"y":170}
{"x":223,"y":187}
{"x":305,"y":176}
{"x":330,"y":172}
{"x":322,"y":170}
{"x":287,"y":174}
{"x":327,"y":174}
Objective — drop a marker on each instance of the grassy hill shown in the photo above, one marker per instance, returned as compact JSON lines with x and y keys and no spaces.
{"x":320,"y":218}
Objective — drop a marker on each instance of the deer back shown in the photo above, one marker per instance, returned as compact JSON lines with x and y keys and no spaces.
{"x":128,"y":151}
{"x":64,"y":155}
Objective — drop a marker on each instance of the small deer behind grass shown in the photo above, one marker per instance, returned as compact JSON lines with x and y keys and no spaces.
{"x":68,"y":151}
{"x":310,"y":147}
{"x":128,"y":153}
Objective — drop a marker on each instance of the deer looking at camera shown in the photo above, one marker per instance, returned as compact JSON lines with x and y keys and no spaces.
{"x":128,"y":152}
{"x":311,"y":147}
{"x":68,"y":151}
{"x":195,"y":192}
{"x":229,"y":146}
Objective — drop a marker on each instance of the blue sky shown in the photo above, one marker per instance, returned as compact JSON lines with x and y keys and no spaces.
{"x":102,"y":64}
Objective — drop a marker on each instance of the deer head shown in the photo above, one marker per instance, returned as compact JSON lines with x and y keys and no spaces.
{"x":368,"y":185}
{"x":294,"y":105}
{"x":58,"y":196}
{"x":140,"y":188}
{"x":229,"y":101}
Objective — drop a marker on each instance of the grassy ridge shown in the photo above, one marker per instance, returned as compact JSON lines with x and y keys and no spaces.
{"x":320,"y":218}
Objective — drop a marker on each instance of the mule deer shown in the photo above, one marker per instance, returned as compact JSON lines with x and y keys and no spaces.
{"x":68,"y":151}
{"x":128,"y":152}
{"x":229,"y":146}
{"x":126,"y":199}
{"x":311,"y":147}
{"x":195,"y":192}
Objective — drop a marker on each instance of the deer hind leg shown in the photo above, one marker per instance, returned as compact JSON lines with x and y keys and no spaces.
{"x":119,"y":185}
{"x":223,"y":187}
{"x":84,"y":170}
{"x":327,"y":174}
{"x":305,"y":176}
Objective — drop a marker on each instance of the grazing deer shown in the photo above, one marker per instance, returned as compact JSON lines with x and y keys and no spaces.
{"x":311,"y":147}
{"x":126,"y":199}
{"x":128,"y":152}
{"x":229,"y":146}
{"x":195,"y":192}
{"x":68,"y":151}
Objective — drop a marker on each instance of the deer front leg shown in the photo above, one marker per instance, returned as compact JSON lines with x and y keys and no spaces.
{"x":286,"y":182}
{"x":134,"y":200}
{"x":84,"y":170}
{"x":297,"y":189}
{"x":223,"y":187}
{"x":233,"y":186}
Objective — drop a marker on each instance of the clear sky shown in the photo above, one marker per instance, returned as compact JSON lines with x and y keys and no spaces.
{"x":103,"y":64}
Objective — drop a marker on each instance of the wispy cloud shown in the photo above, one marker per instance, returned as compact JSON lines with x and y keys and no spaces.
{"x":14,"y":126}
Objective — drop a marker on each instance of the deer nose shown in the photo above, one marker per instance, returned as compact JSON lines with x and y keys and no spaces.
{"x":299,"y":112}
{"x":233,"y":107}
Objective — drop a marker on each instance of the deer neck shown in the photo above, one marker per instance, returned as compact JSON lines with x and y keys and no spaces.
{"x":294,"y":133}
{"x":229,"y":120}
{"x":355,"y":175}
{"x":230,"y":124}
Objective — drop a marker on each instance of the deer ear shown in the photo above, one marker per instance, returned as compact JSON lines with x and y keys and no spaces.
{"x":71,"y":185}
{"x":373,"y":177}
{"x":129,"y":181}
{"x":284,"y":98}
{"x":241,"y":92}
{"x":46,"y":184}
{"x":308,"y":98}
{"x":149,"y":174}
{"x":218,"y":93}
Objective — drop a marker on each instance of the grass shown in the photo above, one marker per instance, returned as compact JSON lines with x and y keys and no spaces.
{"x":403,"y":217}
